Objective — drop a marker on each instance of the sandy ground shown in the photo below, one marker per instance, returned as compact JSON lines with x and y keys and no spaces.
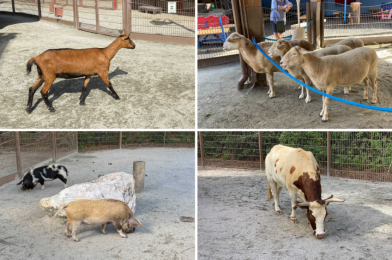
{"x":221,"y":105}
{"x":155,"y":81}
{"x":236,"y":221}
{"x":169,"y":194}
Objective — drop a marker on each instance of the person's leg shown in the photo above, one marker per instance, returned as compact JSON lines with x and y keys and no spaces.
{"x":275,"y":30}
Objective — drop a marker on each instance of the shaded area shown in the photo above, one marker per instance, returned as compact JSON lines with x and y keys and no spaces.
{"x":221,"y":105}
{"x":236,"y":219}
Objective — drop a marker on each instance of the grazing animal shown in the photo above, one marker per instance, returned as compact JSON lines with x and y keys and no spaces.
{"x":256,"y":59}
{"x":298,"y":172}
{"x":42,"y":174}
{"x":344,"y":70}
{"x":98,"y":212}
{"x":74,"y":63}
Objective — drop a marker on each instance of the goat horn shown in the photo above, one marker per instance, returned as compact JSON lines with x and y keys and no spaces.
{"x":334,"y":200}
{"x":303,"y":204}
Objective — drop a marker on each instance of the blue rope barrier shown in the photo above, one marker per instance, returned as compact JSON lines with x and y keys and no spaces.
{"x":384,"y":109}
{"x":287,"y":39}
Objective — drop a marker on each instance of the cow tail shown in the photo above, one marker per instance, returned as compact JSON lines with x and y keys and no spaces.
{"x":63,"y":207}
{"x":270,"y":196}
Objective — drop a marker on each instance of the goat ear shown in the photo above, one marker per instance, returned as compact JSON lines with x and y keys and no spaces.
{"x":123,"y":32}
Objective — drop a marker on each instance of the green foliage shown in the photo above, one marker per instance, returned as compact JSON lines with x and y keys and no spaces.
{"x":351,"y":151}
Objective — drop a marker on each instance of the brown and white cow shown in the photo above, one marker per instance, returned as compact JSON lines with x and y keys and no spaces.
{"x":297,"y":171}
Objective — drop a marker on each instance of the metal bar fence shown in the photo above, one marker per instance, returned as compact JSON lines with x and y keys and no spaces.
{"x":356,"y":155}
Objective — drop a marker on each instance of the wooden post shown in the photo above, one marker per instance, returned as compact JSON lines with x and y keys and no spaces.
{"x":322,"y":25}
{"x":315,"y":6}
{"x":39,"y":10}
{"x":260,"y":152}
{"x":54,"y":146}
{"x":120,"y":139}
{"x":13,"y":7}
{"x":328,"y":154}
{"x":138,"y":175}
{"x":308,"y":18}
{"x":18,"y":155}
{"x":76,"y":14}
{"x":201,"y":148}
{"x":164,"y":139}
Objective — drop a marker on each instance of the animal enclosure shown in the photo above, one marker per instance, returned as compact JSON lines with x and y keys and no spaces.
{"x":153,"y":94}
{"x":355,"y":155}
{"x":169,"y":193}
{"x":112,"y":16}
{"x":358,"y":228}
{"x":19,"y":151}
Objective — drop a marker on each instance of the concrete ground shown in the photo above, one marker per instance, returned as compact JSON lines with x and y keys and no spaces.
{"x":169,"y":193}
{"x":155,"y":81}
{"x":236,"y":221}
{"x":221,"y":105}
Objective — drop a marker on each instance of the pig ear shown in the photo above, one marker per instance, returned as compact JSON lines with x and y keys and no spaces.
{"x":133,"y":222}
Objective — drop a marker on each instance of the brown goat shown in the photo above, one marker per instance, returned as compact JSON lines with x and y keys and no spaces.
{"x":74,"y":63}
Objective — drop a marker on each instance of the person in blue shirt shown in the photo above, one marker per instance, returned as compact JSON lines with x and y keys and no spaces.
{"x":278,"y":13}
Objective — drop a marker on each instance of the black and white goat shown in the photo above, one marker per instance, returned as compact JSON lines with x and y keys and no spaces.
{"x":42,"y":174}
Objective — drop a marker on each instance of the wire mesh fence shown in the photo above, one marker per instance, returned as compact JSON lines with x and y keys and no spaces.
{"x":356,"y":155}
{"x":174,"y":18}
{"x":93,"y":141}
{"x":361,"y":21}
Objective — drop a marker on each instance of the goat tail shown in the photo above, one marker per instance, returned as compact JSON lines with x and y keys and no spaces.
{"x":29,"y":64}
{"x":61,"y":208}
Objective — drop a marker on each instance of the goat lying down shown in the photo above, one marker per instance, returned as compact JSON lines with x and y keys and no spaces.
{"x":74,"y":63}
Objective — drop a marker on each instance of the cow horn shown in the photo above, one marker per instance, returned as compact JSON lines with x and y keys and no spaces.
{"x":303,"y":204}
{"x":334,"y":200}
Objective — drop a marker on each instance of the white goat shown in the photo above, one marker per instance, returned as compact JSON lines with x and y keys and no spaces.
{"x":346,"y":69}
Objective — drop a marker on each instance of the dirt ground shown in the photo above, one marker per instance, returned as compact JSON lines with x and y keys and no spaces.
{"x":155,"y":82}
{"x":221,"y":105}
{"x":169,"y":193}
{"x":236,"y":221}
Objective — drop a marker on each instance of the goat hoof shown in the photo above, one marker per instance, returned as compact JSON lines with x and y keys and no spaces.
{"x":82,"y":103}
{"x":52,"y":109}
{"x":29,"y":110}
{"x":322,"y":120}
{"x":117,"y":98}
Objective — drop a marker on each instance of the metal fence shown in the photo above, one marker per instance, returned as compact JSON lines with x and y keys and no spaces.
{"x":361,"y":21}
{"x":89,"y":141}
{"x":356,"y":155}
{"x":174,"y":18}
{"x":157,"y":20}
{"x":21,"y":150}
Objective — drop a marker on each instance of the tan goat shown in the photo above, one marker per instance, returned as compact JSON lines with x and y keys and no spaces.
{"x":346,"y":69}
{"x":280,"y":48}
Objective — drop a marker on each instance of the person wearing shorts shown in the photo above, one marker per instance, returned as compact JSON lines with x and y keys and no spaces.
{"x":278,"y":13}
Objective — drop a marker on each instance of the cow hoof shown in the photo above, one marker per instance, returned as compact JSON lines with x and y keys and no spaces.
{"x":293,"y":220}
{"x":278,"y":212}
{"x":319,"y":236}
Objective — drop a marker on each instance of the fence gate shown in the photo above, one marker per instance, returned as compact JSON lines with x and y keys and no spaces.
{"x":100,"y":16}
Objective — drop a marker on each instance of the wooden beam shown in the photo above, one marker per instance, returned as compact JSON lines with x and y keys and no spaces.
{"x":201,"y":148}
{"x":18,"y":155}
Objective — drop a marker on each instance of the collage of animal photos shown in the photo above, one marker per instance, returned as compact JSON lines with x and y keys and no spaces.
{"x":183,"y":129}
